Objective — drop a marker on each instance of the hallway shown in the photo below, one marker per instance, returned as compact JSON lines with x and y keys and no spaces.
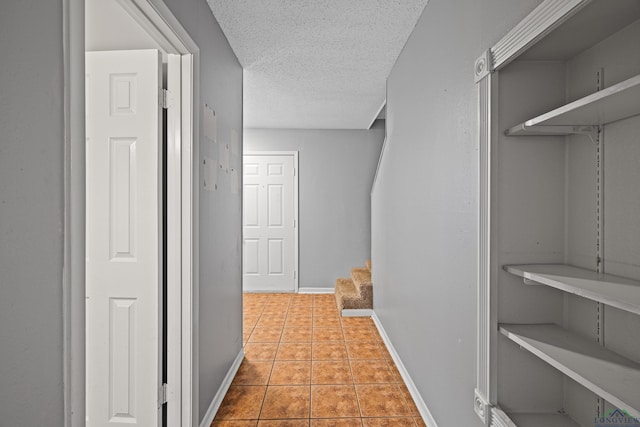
{"x":307,"y":366}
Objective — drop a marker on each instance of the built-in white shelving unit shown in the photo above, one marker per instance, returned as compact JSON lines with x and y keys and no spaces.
{"x":612,"y":290}
{"x":614,"y":103}
{"x":546,"y":420}
{"x":559,"y":207}
{"x":602,"y":371}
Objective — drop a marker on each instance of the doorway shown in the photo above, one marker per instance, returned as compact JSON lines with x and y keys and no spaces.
{"x":150,"y":22}
{"x":270,"y":222}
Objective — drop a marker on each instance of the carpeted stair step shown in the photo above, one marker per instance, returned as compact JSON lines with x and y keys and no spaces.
{"x":346,"y":286}
{"x":362,"y":280}
{"x":361,"y":276}
{"x":345,"y":290}
{"x":356,"y":292}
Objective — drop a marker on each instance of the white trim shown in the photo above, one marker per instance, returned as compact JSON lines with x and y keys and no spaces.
{"x":482,"y":407}
{"x":540,"y":22}
{"x":161,"y":22}
{"x":485,"y":338}
{"x":189,"y":233}
{"x":384,"y":146}
{"x":415,"y":394}
{"x":268,"y":292}
{"x":73,"y":281}
{"x":207,"y":420}
{"x":296,"y":213}
{"x":357,"y":312}
{"x":173,"y":238}
{"x":296,"y":208}
{"x":384,"y":102}
{"x":482,"y":67}
{"x":317,"y":291}
{"x":382,"y":150}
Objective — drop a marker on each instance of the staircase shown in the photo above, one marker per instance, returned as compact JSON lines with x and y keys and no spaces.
{"x":355,"y":293}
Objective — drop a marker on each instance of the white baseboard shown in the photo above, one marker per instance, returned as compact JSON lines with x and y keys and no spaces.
{"x":415,"y":394}
{"x":222,"y":391}
{"x":357,"y":312}
{"x":304,"y":290}
{"x":257,"y":291}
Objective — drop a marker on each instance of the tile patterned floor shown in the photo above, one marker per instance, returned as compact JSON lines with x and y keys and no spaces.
{"x":307,"y":366}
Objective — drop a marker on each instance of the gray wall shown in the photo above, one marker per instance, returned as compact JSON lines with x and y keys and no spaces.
{"x":336,"y":173}
{"x":220,"y":275}
{"x":424,"y":206}
{"x":31,"y":213}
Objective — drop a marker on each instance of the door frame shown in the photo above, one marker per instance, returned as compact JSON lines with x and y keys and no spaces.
{"x":296,"y":174}
{"x":182,"y":216}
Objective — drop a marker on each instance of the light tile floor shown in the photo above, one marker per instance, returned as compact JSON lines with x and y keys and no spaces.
{"x":307,"y":366}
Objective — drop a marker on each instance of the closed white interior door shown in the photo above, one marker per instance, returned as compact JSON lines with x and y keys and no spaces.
{"x":123,"y":247}
{"x":269,"y":223}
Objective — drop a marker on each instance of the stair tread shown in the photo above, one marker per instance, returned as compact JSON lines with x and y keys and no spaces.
{"x":361,"y":276}
{"x":346,"y":286}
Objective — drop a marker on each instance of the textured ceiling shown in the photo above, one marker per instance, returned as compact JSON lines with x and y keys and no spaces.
{"x":315,"y":64}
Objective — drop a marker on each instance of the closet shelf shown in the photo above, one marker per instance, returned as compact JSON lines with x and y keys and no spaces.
{"x":540,"y":420}
{"x":612,"y":290}
{"x":600,"y":370}
{"x":617,"y":102}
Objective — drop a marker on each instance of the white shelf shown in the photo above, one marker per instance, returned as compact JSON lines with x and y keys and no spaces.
{"x":542,"y":420}
{"x":607,"y":374}
{"x":617,"y":102}
{"x":612,"y":290}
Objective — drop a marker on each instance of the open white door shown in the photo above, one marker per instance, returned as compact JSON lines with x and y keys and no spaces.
{"x":123,"y":233}
{"x":269,"y":223}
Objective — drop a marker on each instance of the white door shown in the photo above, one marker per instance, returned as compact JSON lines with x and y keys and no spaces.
{"x":269,"y":223}
{"x":123,"y":247}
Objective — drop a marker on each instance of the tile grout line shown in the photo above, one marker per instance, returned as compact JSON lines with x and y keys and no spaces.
{"x":254,"y":326}
{"x":313,"y":306}
{"x":264,"y":398}
{"x":355,"y":389}
{"x":266,"y":388}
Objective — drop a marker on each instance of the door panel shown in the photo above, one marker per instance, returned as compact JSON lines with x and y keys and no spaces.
{"x":276,"y":256}
{"x":251,"y":201}
{"x":123,"y":247}
{"x":275,"y":206}
{"x":269,"y":229}
{"x":123,"y":198}
{"x":252,"y":256}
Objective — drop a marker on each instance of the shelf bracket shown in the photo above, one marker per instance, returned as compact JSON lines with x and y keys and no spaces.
{"x":555,"y":130}
{"x":595,"y":135}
